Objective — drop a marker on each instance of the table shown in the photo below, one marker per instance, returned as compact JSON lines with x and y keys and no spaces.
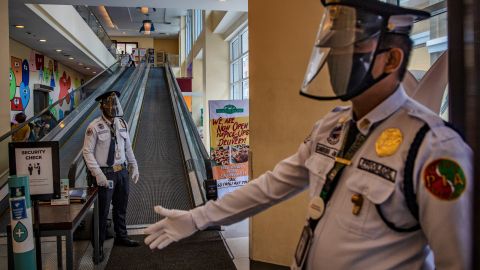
{"x":63,"y":220}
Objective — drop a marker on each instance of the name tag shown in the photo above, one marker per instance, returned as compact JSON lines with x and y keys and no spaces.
{"x":303,"y":247}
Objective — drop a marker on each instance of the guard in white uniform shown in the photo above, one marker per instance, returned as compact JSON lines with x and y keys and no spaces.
{"x":107,"y":150}
{"x":389,"y":181}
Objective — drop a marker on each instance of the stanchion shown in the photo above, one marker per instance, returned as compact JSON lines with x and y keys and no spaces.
{"x":21,"y":223}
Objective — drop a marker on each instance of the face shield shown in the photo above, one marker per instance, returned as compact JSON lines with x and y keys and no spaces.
{"x":344,"y":51}
{"x":111,"y":106}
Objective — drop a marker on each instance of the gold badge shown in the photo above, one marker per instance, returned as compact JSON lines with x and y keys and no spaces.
{"x":388,"y":142}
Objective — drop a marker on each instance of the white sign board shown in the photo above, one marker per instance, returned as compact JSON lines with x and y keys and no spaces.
{"x":40,"y":162}
{"x":37,"y":164}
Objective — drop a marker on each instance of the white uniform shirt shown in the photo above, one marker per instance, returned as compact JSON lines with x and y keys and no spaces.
{"x":97,"y":143}
{"x":343,"y":240}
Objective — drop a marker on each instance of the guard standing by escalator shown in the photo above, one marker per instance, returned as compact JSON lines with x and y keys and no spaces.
{"x":107,"y":149}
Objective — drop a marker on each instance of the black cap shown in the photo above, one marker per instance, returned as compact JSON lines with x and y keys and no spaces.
{"x":381,"y":8}
{"x":106,"y":94}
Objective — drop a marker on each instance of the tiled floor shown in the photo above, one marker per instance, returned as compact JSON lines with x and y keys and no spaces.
{"x":236,"y":239}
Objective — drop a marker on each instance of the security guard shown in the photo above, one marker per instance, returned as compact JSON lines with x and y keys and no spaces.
{"x":388,"y":180}
{"x":106,"y":150}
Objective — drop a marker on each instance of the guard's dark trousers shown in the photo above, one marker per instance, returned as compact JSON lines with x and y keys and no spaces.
{"x":118,"y":197}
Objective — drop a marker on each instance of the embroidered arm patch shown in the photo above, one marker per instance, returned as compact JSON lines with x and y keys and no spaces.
{"x":445,"y":179}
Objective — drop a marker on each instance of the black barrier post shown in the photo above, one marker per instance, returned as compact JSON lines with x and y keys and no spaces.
{"x":38,"y":242}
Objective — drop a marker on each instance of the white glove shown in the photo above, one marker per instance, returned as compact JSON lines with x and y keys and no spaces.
{"x":176,"y":225}
{"x":101,"y":179}
{"x":133,"y":169}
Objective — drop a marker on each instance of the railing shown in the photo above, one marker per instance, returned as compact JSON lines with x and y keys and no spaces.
{"x":196,"y":156}
{"x":40,"y":126}
{"x":97,"y":28}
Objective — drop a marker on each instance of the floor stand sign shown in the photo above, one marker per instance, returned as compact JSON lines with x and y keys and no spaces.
{"x":21,"y":223}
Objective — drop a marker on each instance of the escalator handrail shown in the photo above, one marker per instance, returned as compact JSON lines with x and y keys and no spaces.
{"x":189,"y":119}
{"x":9,"y":133}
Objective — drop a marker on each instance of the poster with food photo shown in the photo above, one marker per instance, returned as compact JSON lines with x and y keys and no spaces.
{"x":229,"y":143}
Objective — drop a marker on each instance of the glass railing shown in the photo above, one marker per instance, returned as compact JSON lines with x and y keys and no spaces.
{"x":54,"y":115}
{"x":97,"y":28}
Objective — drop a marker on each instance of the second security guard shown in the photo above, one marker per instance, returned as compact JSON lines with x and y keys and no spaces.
{"x":107,"y":149}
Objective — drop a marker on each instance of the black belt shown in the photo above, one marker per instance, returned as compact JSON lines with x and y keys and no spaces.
{"x":114,"y":168}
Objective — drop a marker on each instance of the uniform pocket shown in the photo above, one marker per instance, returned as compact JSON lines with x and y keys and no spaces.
{"x":318,"y":167}
{"x":374,"y":190}
{"x":103,"y":136}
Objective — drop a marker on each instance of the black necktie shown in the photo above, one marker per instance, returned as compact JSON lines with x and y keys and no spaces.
{"x":351,"y":136}
{"x":111,"y":150}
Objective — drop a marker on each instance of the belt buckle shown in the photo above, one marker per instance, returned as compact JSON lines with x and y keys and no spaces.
{"x":117,"y":168}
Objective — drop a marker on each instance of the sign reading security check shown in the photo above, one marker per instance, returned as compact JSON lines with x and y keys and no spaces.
{"x":229,"y":143}
{"x":40,"y":162}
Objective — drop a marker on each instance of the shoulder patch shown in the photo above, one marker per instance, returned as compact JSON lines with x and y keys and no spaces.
{"x":122,"y":123}
{"x":444,"y":178}
{"x":89,"y":132}
{"x":101,"y":126}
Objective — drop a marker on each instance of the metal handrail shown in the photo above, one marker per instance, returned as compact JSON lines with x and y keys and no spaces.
{"x":108,"y":42}
{"x":9,"y":133}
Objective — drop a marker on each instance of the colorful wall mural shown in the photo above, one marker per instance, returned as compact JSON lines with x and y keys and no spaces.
{"x":29,"y":67}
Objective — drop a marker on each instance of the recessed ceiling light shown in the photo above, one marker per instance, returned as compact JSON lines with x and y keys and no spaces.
{"x":43,"y":40}
{"x":71,"y":58}
{"x":87,"y":68}
{"x":80,"y":64}
{"x":123,"y":33}
{"x":58,"y":50}
{"x":94,"y":72}
{"x":20,"y":26}
{"x":222,"y":0}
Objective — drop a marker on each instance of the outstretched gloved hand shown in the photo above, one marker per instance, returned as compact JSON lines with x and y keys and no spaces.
{"x":133,"y":169}
{"x":101,"y":179}
{"x":176,"y":225}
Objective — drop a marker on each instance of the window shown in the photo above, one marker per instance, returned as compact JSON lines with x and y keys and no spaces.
{"x":188,"y":32}
{"x":239,"y":66}
{"x":126,"y":47}
{"x":430,"y":39}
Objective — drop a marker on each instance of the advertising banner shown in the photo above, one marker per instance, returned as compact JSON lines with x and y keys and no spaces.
{"x":229,"y":143}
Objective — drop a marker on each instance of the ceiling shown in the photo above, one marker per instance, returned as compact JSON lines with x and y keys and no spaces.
{"x":128,"y":20}
{"x":226,"y":5}
{"x":36,"y":28}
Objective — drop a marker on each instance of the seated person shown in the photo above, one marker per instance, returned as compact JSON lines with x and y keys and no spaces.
{"x":23,"y":133}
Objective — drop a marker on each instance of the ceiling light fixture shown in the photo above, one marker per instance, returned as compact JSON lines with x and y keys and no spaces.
{"x":71,"y":58}
{"x":19,"y":26}
{"x":147,"y":27}
{"x":94,"y":72}
{"x":43,"y":40}
{"x":106,"y":17}
{"x":144,"y":10}
{"x":80,"y":64}
{"x":87,"y":68}
{"x":58,"y":50}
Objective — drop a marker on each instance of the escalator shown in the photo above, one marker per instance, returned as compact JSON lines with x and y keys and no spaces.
{"x":163,"y":178}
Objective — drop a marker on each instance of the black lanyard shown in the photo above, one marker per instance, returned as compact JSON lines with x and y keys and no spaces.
{"x":341,"y":161}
